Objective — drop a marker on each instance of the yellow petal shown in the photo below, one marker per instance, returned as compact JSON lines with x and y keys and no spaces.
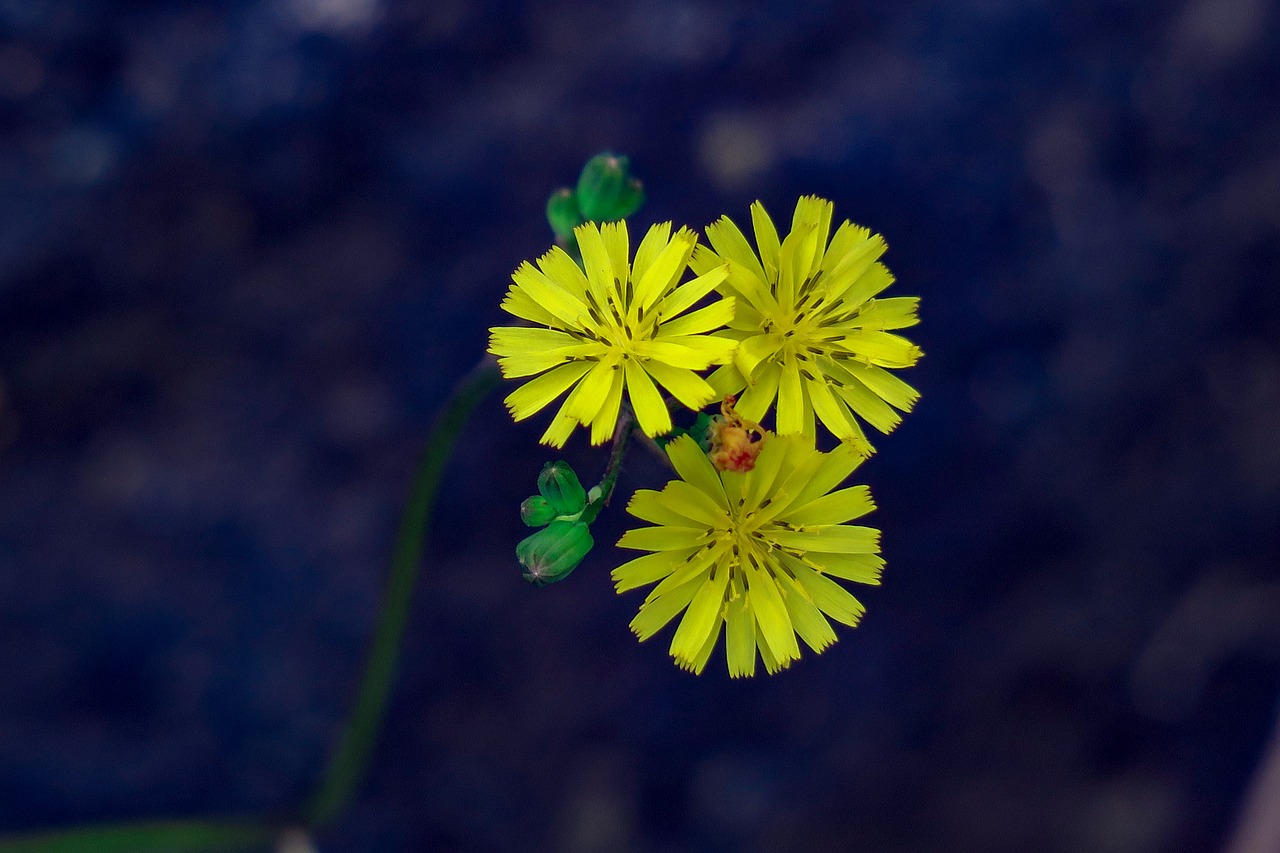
{"x":834,"y":508}
{"x":566,"y":307}
{"x":847,"y":236}
{"x":740,"y":636}
{"x":702,"y":617}
{"x":648,"y":505}
{"x":898,"y":312}
{"x":699,"y":661}
{"x":651,"y":246}
{"x":647,"y":569}
{"x":872,"y":409}
{"x":771,"y":616}
{"x":519,"y":303}
{"x":756,"y":400}
{"x":832,"y":469}
{"x":816,"y":212}
{"x":835,"y":539}
{"x":665,"y":270}
{"x":685,"y":385}
{"x":651,"y":411}
{"x":759,"y":481}
{"x":695,"y":468}
{"x":714,"y":316}
{"x":654,"y":615}
{"x":687,"y":295}
{"x":559,"y":430}
{"x":766,"y":240}
{"x":834,"y":413}
{"x":606,"y":420}
{"x":729,"y":244}
{"x":727,"y":379}
{"x":664,"y":538}
{"x":885,"y":385}
{"x":590,"y":395}
{"x":806,"y":618}
{"x":831,"y":598}
{"x":616,"y":244}
{"x":882,"y":348}
{"x":695,"y":505}
{"x":790,"y":416}
{"x":860,"y":568}
{"x":564,"y":271}
{"x":538,"y":393}
{"x":595,"y":260}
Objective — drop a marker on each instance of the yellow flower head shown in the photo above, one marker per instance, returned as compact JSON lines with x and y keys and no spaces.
{"x":619,"y":325}
{"x":755,"y":552}
{"x":812,"y":334}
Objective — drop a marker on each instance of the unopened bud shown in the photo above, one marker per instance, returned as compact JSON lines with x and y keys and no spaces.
{"x":563,"y":214}
{"x":537,"y":511}
{"x":553,"y":552}
{"x":560,"y":486}
{"x":606,"y":190}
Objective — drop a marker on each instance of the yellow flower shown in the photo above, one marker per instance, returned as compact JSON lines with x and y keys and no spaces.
{"x":618,"y":326}
{"x":755,"y":552}
{"x":812,"y":334}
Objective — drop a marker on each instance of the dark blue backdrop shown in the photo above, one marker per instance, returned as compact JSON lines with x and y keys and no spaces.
{"x":246,"y":248}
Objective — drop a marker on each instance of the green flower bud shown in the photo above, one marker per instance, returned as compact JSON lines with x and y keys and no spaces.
{"x":536,"y":511}
{"x":563,"y":213}
{"x":560,"y":486}
{"x":553,"y":552}
{"x":606,"y":190}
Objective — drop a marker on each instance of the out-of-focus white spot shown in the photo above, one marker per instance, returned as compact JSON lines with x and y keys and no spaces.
{"x":734,"y":148}
{"x":21,"y":72}
{"x":1217,"y":31}
{"x":336,"y":17}
{"x":82,"y":156}
{"x":295,"y":841}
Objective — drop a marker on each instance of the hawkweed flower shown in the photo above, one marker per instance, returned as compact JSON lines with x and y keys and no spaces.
{"x":812,"y":333}
{"x":755,"y":552}
{"x":617,"y":326}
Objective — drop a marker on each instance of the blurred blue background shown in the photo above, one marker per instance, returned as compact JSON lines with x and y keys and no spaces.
{"x":246,"y":249}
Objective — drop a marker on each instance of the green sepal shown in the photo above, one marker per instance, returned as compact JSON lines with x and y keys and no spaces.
{"x":606,"y":189}
{"x":536,"y":511}
{"x":559,"y":485}
{"x":554,"y":552}
{"x":699,"y":432}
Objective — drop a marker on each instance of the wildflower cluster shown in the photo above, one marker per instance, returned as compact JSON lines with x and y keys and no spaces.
{"x":794,"y":342}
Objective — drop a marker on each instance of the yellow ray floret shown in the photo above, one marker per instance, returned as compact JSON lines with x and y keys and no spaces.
{"x":754,"y":553}
{"x":813,"y":336}
{"x":611,"y":326}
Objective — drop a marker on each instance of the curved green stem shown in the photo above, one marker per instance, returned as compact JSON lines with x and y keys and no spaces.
{"x":347,"y":764}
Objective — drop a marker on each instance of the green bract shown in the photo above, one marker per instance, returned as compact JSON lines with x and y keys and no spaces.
{"x":560,"y":486}
{"x":553,"y":552}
